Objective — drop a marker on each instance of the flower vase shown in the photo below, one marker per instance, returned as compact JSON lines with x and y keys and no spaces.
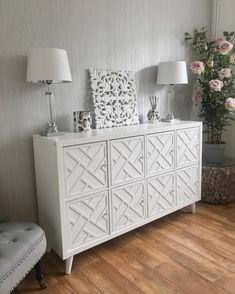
{"x":153,"y":114}
{"x":214,"y":153}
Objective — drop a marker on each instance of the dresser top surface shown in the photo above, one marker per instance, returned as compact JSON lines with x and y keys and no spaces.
{"x":115,"y":133}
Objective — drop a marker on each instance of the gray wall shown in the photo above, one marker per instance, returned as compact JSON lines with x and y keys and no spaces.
{"x":122,"y":34}
{"x":227,"y":23}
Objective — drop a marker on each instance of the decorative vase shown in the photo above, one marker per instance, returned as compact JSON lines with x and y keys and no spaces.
{"x":153,"y":114}
{"x":81,"y":121}
{"x":214,"y":153}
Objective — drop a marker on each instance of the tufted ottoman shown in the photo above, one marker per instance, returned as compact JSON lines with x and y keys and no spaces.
{"x":21,"y":247}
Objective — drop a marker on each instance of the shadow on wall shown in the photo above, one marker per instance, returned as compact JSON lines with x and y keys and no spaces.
{"x":17,"y":120}
{"x":146,"y":83}
{"x":88,"y":100}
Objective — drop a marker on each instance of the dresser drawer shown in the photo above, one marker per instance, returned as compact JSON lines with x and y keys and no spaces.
{"x":87,"y":219}
{"x":188,"y":147}
{"x":128,"y":205}
{"x":160,"y":153}
{"x":161,"y":193}
{"x":187,"y":180}
{"x":127,"y":159}
{"x":85,"y":168}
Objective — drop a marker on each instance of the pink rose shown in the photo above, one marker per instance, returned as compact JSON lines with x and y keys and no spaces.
{"x":230,"y":104}
{"x":218,"y":40}
{"x":197,"y":67}
{"x":232,"y":59}
{"x":224,"y":73}
{"x":197,"y":98}
{"x":216,"y":85}
{"x":225,"y":47}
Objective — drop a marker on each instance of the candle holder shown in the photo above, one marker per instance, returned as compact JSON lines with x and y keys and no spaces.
{"x":81,"y":121}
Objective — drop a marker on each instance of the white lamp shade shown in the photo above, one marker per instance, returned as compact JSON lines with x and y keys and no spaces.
{"x":48,"y":64}
{"x":172,"y":73}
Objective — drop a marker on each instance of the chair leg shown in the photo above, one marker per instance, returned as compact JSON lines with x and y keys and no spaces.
{"x":39,"y":276}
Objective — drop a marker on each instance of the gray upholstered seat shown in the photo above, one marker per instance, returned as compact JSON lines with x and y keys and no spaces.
{"x":21,"y":246}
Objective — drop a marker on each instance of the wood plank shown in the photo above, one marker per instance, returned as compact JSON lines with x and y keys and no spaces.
{"x":184,"y":255}
{"x":141,"y":276}
{"x":137,"y":248}
{"x":76,"y":280}
{"x":227,"y":282}
{"x":180,"y":253}
{"x":189,"y":225}
{"x":187,"y":280}
{"x":205,"y":248}
{"x":108,"y":279}
{"x":223,"y":218}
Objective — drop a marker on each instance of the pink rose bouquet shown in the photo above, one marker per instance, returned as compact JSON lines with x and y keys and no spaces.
{"x":218,"y":40}
{"x":214,"y":79}
{"x":197,"y":67}
{"x":225,"y":73}
{"x":216,"y":85}
{"x":225,"y":47}
{"x":230,"y":104}
{"x":197,"y":98}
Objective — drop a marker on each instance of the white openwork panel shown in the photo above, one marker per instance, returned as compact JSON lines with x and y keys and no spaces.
{"x":85,"y":168}
{"x":187,"y":184}
{"x":161,"y":193}
{"x":87,"y":219}
{"x":114,"y":98}
{"x":128,"y":205}
{"x":127,"y":159}
{"x":187,"y":146}
{"x":160,"y":152}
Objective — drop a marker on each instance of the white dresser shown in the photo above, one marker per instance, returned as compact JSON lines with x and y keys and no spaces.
{"x":94,"y":186}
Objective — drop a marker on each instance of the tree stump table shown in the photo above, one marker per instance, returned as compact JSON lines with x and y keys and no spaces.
{"x":218,"y":182}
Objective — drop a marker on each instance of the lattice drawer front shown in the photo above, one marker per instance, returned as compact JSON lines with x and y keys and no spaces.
{"x":87,"y":219}
{"x":161,"y":194}
{"x":85,"y":168}
{"x":127,"y":159}
{"x":160,"y":152}
{"x":187,"y":184}
{"x":128,"y":205}
{"x":187,"y":146}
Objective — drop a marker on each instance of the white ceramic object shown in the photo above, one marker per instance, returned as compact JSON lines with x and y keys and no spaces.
{"x":114,"y":98}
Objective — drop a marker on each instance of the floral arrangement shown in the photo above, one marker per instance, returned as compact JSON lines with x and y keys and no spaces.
{"x":214,"y":80}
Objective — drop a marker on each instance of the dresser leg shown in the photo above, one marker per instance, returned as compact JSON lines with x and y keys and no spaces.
{"x":68,"y":265}
{"x":193,"y":207}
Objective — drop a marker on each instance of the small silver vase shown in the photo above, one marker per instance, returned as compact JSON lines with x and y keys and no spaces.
{"x":81,"y":121}
{"x":153,"y":114}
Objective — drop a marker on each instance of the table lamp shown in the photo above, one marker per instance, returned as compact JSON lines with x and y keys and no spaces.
{"x":171,"y":73}
{"x":48,"y":66}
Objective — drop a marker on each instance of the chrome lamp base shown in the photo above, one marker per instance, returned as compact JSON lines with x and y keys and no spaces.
{"x":52,"y":130}
{"x":170,"y":118}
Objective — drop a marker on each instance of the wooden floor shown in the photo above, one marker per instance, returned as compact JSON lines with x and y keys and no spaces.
{"x":180,"y":253}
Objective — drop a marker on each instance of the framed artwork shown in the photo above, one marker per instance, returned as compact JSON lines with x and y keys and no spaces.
{"x":114,"y":98}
